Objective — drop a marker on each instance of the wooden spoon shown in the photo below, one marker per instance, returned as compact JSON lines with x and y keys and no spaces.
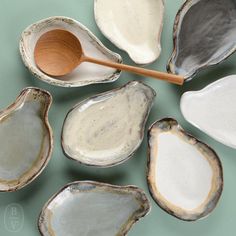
{"x":58,"y":52}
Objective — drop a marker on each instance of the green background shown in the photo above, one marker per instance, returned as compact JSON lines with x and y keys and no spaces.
{"x":15,"y":16}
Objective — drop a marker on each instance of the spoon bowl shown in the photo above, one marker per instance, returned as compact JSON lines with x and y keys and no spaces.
{"x":58,"y":52}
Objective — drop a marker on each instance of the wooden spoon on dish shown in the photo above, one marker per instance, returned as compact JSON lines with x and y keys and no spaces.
{"x":58,"y":52}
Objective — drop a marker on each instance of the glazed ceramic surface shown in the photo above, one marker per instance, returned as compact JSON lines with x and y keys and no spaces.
{"x":211,"y":110}
{"x":86,"y":73}
{"x":92,"y":208}
{"x":184,"y":175}
{"x":204,"y":35}
{"x":106,"y":129}
{"x":134,"y":26}
{"x":14,"y":77}
{"x":26,"y":139}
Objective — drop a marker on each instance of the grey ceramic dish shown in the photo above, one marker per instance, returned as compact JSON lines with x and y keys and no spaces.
{"x":180,"y":149}
{"x":26,"y":139}
{"x":204,"y":35}
{"x":83,"y":208}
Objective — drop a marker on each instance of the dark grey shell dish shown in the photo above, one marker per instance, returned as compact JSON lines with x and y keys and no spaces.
{"x":204,"y":35}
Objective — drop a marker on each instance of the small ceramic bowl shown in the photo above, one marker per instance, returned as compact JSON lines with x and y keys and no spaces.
{"x":86,"y":73}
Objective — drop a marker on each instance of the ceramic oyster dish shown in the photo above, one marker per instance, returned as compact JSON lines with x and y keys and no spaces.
{"x":26,"y":139}
{"x":106,"y":129}
{"x":88,"y":208}
{"x":134,"y":26}
{"x":204,"y":35}
{"x":86,"y":73}
{"x":184,"y":175}
{"x":212,"y":110}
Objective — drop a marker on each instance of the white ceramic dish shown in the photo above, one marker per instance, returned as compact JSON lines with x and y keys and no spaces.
{"x":105,"y":130}
{"x":26,"y":139}
{"x":185,"y":176}
{"x":134,"y":26}
{"x":91,"y":208}
{"x":86,"y":73}
{"x":213,"y":110}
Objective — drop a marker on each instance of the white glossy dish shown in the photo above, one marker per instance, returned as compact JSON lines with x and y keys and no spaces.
{"x":134,"y":26}
{"x":185,"y":176}
{"x":86,"y":73}
{"x":213,"y":110}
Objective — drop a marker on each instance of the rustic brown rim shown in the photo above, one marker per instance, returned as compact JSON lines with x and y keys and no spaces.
{"x":211,"y":203}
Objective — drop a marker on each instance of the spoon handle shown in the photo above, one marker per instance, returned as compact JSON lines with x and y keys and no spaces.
{"x":175,"y":79}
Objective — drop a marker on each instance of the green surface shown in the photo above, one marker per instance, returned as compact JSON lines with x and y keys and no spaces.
{"x":15,"y":16}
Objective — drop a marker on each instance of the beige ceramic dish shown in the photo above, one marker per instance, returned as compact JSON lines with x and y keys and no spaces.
{"x":26,"y":139}
{"x":105,"y":130}
{"x":86,"y":73}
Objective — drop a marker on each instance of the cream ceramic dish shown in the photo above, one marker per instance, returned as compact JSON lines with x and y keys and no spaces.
{"x":26,"y":139}
{"x":92,"y":208}
{"x":134,"y":26}
{"x":185,"y":176}
{"x":204,"y":35}
{"x":105,"y":130}
{"x":86,"y":73}
{"x":212,"y":110}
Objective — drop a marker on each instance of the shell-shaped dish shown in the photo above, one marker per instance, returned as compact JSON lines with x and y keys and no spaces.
{"x":213,"y":110}
{"x":134,"y":26}
{"x":26,"y":139}
{"x":92,"y":208}
{"x":204,"y":35}
{"x":185,"y":176}
{"x":105,"y":130}
{"x":86,"y":73}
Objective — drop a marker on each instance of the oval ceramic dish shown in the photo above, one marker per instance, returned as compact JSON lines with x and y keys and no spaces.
{"x":134,"y":26}
{"x":26,"y":139}
{"x":204,"y":35}
{"x":213,"y":110}
{"x":86,"y":73}
{"x":184,"y":175}
{"x":92,"y":208}
{"x":105,"y":130}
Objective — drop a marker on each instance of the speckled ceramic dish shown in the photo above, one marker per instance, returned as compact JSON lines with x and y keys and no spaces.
{"x":92,"y":208}
{"x":212,"y":110}
{"x":185,"y":176}
{"x":86,"y":73}
{"x":26,"y":139}
{"x":134,"y":26}
{"x":105,"y":130}
{"x":204,"y":35}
